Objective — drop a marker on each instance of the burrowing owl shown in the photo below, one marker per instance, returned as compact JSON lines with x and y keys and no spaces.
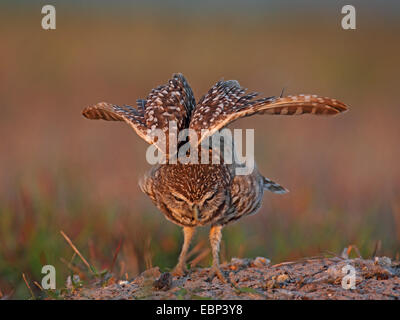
{"x":193,"y":195}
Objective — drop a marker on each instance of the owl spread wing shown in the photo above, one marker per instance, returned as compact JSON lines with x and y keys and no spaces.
{"x":171,"y":102}
{"x":111,"y":112}
{"x":226,"y":102}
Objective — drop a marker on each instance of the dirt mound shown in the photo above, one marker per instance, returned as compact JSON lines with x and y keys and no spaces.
{"x":312,"y":278}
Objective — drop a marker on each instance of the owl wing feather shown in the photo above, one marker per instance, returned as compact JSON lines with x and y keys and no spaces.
{"x":226,"y":102}
{"x":173,"y":101}
{"x":111,"y":112}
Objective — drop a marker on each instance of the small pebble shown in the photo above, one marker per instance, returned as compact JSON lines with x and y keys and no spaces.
{"x":123,"y":283}
{"x":383,"y":261}
{"x":164,"y":282}
{"x":151,"y":273}
{"x":260,"y":262}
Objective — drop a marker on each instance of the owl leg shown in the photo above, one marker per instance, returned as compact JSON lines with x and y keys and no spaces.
{"x":215,"y":240}
{"x":180,"y":268}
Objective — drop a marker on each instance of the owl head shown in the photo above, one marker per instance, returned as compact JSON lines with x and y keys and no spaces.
{"x":188,"y":194}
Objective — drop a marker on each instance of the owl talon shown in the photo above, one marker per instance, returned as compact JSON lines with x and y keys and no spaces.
{"x":179,"y":271}
{"x":216,"y":272}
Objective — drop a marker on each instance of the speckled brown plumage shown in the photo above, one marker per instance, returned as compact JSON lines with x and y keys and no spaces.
{"x":193,"y":195}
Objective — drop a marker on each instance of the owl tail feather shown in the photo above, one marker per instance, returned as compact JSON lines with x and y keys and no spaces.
{"x":273,"y":186}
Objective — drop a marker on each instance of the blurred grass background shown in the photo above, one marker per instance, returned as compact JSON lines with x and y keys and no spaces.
{"x":59,"y":171}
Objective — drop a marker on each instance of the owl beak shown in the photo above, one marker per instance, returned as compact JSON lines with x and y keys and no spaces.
{"x":196,"y":213}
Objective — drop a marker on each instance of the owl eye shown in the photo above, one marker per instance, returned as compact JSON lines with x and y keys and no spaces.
{"x":209,"y":197}
{"x":178,"y":199}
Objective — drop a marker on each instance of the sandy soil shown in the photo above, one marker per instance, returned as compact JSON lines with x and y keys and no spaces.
{"x":312,"y":278}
